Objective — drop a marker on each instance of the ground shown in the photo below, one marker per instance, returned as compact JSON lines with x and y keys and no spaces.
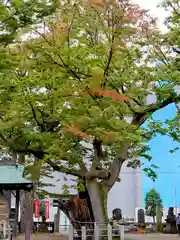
{"x":43,"y":237}
{"x":127,"y":237}
{"x":152,"y":237}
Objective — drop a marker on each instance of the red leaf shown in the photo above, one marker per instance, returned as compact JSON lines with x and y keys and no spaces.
{"x":133,"y":14}
{"x":110,"y":93}
{"x":75,"y":131}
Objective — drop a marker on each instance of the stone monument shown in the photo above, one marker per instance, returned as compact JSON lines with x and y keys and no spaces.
{"x":141,"y":217}
{"x":171,"y":222}
{"x":159,"y":226}
{"x":116,"y":220}
{"x":117,"y":214}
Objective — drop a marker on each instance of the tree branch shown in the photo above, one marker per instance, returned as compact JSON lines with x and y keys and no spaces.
{"x":97,"y":146}
{"x":69,"y":171}
{"x":116,"y":165}
{"x":40,"y":154}
{"x":174,"y":98}
{"x":91,"y":38}
{"x":174,"y":8}
{"x":65,"y":65}
{"x":123,"y":91}
{"x":100,"y":174}
{"x":176,"y":50}
{"x":17,"y":12}
{"x":161,"y":58}
{"x":69,"y":69}
{"x":106,"y":71}
{"x":141,"y":117}
{"x":35,"y":117}
{"x":37,"y":153}
{"x":70,"y":26}
{"x":107,"y":65}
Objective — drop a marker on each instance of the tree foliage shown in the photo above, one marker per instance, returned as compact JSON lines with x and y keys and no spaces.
{"x":16,"y":15}
{"x":76,"y":94}
{"x":152,"y":199}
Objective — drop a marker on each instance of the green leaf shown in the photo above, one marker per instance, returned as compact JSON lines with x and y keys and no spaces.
{"x":48,"y":84}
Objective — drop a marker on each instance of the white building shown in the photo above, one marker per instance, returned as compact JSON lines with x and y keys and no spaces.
{"x":127,"y":194}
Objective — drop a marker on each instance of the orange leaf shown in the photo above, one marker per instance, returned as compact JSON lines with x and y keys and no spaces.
{"x":75,"y":131}
{"x":110,"y":93}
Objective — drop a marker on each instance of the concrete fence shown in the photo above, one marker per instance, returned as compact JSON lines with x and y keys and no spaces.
{"x":98,"y":231}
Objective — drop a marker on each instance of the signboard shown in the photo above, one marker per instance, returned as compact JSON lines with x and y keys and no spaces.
{"x":36,"y":208}
{"x":46,"y":209}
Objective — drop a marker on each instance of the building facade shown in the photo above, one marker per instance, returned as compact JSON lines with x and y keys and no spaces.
{"x":127,"y":194}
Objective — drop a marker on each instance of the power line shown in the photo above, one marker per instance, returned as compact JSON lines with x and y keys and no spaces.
{"x":142,"y":172}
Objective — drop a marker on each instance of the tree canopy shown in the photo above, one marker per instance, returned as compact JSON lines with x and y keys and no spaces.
{"x":76,"y":94}
{"x":16,"y":15}
{"x":152,"y":199}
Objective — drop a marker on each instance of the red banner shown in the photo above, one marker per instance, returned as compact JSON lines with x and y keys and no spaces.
{"x":46,"y":209}
{"x":36,"y":208}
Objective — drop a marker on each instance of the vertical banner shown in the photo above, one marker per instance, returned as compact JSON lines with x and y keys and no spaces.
{"x":36,"y":208}
{"x":46,"y":208}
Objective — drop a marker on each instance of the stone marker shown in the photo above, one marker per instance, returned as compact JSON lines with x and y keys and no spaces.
{"x":141,"y":216}
{"x":171,"y":222}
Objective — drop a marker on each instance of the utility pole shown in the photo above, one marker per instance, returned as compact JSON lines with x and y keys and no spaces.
{"x":175,"y":201}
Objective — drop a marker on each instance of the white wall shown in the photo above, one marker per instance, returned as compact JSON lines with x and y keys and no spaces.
{"x":126,"y":194}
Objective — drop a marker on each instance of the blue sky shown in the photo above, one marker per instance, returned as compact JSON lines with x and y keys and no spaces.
{"x":168,"y":182}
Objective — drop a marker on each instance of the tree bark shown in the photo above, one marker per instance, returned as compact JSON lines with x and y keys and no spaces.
{"x":22,"y":211}
{"x":28,"y":214}
{"x":98,"y":197}
{"x":89,"y":207}
{"x":116,"y":165}
{"x":57,"y":218}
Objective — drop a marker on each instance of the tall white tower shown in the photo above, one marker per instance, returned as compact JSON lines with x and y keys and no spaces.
{"x":127,"y":194}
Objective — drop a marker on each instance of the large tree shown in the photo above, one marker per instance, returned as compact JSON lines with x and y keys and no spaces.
{"x":78,"y":93}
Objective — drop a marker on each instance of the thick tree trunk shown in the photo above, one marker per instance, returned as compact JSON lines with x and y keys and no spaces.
{"x":90,"y":207}
{"x":79,"y":213}
{"x":98,"y":197}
